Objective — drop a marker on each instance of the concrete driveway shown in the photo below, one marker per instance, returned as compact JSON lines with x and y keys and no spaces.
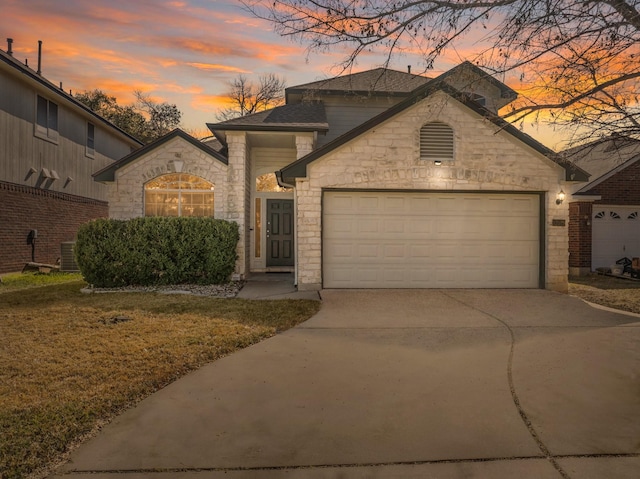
{"x":400,"y":384}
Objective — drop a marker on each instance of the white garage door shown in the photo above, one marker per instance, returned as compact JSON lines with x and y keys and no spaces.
{"x":430,"y":240}
{"x":615,"y":234}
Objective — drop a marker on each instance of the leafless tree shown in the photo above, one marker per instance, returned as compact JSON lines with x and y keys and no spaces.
{"x":247,"y":97}
{"x":161,"y":117}
{"x":577,"y":61}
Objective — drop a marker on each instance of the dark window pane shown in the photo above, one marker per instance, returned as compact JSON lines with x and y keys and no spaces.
{"x":53,"y":116}
{"x":42,"y":112}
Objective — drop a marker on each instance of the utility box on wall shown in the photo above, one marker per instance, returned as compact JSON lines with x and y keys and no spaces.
{"x":67,"y":258}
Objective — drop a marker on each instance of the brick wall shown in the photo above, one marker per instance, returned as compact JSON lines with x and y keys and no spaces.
{"x":56,"y":216}
{"x":623,"y":188}
{"x":580,"y":236}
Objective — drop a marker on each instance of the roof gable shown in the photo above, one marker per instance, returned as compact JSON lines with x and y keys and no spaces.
{"x":108,"y":173}
{"x":379,"y":81}
{"x":603,"y":155}
{"x":299,"y":167}
{"x":466,"y":74}
{"x":588,"y":188}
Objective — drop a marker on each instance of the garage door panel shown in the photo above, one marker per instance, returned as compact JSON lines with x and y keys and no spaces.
{"x":368,"y":225}
{"x":427,"y":240}
{"x":339,"y":225}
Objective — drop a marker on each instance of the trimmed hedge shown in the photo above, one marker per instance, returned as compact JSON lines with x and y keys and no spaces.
{"x":156,"y":251}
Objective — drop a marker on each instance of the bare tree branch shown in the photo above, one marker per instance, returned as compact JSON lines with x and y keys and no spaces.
{"x":577,"y":60}
{"x":247,"y":97}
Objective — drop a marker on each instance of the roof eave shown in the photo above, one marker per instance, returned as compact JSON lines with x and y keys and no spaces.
{"x":360,"y":93}
{"x":108,"y":174}
{"x":12,"y":62}
{"x":298,"y":169}
{"x":262,"y":127}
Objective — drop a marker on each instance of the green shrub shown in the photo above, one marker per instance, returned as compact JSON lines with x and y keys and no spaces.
{"x":156,"y":250}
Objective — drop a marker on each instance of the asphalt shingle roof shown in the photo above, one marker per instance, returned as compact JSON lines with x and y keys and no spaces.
{"x":378,"y":80}
{"x":306,"y":115}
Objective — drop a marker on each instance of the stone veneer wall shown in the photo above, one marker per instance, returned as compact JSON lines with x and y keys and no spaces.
{"x":126,"y":195}
{"x":238,"y":207}
{"x":387,"y":157}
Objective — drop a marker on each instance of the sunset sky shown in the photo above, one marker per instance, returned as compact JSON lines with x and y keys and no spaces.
{"x":179,"y":51}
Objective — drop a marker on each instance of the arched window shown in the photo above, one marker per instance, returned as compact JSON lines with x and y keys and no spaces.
{"x":436,"y":142}
{"x":178,"y":194}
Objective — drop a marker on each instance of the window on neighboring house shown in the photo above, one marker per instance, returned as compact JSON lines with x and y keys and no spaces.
{"x":46,"y":119}
{"x":436,"y":142}
{"x":178,"y":194}
{"x":91,"y":140}
{"x":479,"y":99}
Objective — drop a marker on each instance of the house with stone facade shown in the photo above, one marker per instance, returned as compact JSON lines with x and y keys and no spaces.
{"x":604,"y":214}
{"x":377,"y":179}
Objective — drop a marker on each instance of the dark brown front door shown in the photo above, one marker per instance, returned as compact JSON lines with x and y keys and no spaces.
{"x":279,"y":232}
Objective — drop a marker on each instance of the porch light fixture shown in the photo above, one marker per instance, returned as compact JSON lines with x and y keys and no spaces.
{"x":437,"y":162}
{"x":560,"y":197}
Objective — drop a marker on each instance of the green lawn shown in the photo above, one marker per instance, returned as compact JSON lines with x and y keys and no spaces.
{"x":70,"y":361}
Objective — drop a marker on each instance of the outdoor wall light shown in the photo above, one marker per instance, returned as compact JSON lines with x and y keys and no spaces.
{"x":177,"y":165}
{"x":437,"y":162}
{"x":560,"y":197}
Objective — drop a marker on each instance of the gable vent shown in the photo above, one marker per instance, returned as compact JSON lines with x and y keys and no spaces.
{"x":436,"y":142}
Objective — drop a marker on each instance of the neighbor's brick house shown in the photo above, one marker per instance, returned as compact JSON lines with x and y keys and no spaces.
{"x":604,"y":223}
{"x":50,"y":145}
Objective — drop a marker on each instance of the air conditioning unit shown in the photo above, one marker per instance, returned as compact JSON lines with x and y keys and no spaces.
{"x":67,"y":258}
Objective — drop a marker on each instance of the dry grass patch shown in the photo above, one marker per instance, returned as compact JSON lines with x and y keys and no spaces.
{"x":69,"y":361}
{"x":618,"y":293}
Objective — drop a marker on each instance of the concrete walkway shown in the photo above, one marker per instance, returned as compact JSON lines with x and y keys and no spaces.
{"x":274,"y":286}
{"x":399,"y":384}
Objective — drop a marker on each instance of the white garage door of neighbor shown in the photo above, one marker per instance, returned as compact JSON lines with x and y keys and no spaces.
{"x":615,"y":234}
{"x":430,"y":240}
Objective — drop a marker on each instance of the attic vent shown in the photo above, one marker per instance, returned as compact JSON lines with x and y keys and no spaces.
{"x":436,"y":142}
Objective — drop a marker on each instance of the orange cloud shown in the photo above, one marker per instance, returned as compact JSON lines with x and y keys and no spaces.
{"x":219,"y":68}
{"x":210,"y":103}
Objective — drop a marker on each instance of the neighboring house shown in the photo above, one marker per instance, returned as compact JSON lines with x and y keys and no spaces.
{"x":604,"y":214}
{"x":379,"y":179}
{"x":50,"y":144}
